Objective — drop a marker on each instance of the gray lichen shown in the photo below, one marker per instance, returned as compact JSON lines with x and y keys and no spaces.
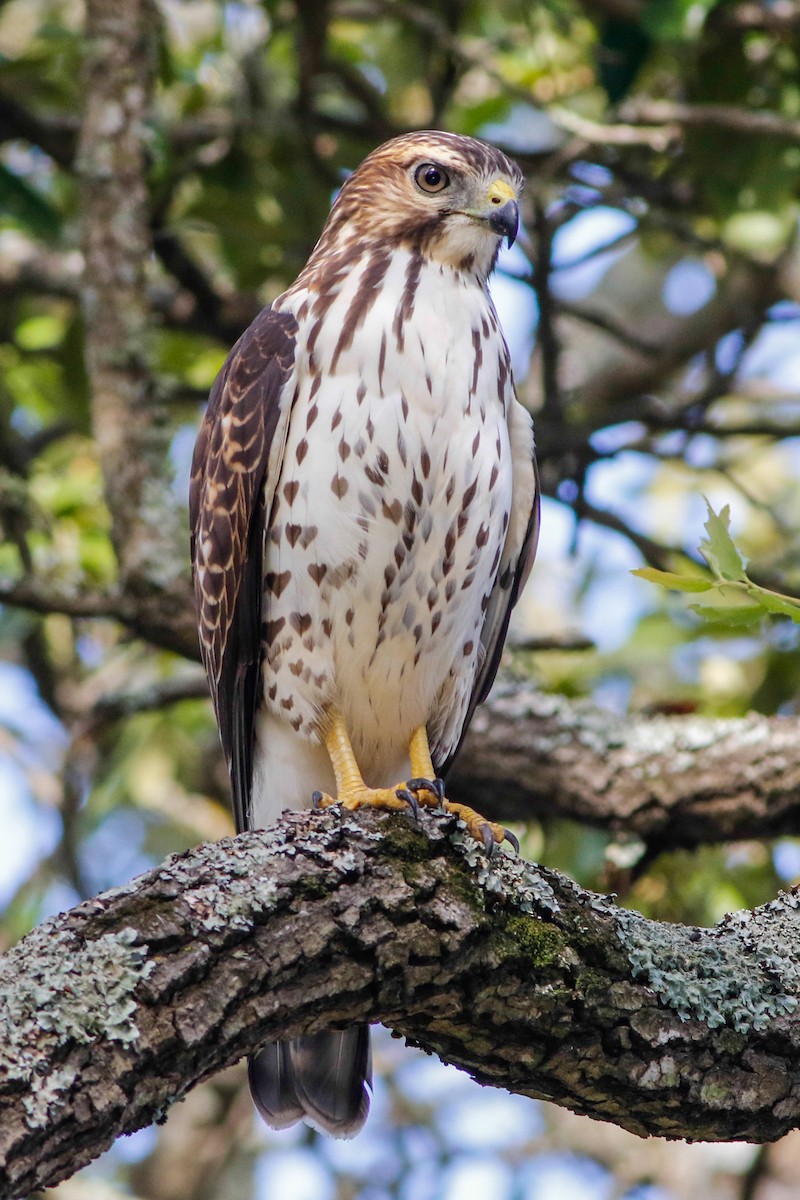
{"x":506,"y":874}
{"x":743,"y":973}
{"x":674,"y":744}
{"x":46,"y":1092}
{"x":244,"y":897}
{"x":86,"y":993}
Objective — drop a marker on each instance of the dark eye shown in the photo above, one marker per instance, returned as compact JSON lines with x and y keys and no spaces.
{"x":431,"y":178}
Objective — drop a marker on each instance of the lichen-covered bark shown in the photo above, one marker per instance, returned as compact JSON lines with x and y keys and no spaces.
{"x":510,"y":971}
{"x":128,"y":417}
{"x":672,"y":781}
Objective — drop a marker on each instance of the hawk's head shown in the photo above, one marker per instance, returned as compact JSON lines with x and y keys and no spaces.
{"x":453,"y":198}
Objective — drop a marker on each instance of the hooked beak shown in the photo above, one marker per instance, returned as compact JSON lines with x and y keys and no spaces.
{"x":505,"y":220}
{"x":501,"y":210}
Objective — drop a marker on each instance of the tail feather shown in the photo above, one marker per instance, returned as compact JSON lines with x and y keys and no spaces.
{"x":324,"y":1078}
{"x":272,"y":1085}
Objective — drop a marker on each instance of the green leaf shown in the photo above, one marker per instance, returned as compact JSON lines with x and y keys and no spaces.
{"x":665,"y":20}
{"x":779,"y":605}
{"x":676,"y":583}
{"x":736,"y":614}
{"x":202,"y":372}
{"x":719,"y":551}
{"x":40,"y":333}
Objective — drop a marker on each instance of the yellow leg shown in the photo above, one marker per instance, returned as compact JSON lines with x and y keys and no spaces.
{"x":419,"y":752}
{"x":423,"y":788}
{"x":343,"y":759}
{"x":482,"y":830}
{"x":351,"y":791}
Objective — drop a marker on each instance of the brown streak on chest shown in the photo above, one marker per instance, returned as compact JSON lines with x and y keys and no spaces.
{"x":477,"y":346}
{"x":382,"y":361}
{"x":503,"y":373}
{"x":367,"y":291}
{"x":405,"y":308}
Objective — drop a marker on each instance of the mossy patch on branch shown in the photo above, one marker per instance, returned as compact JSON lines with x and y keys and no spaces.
{"x":541,"y":943}
{"x":404,"y":840}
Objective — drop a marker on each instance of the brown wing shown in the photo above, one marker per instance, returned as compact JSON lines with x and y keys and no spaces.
{"x":515,"y":567}
{"x":234,"y":473}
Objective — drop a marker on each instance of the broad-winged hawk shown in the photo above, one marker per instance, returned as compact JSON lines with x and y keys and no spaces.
{"x":364,"y":509}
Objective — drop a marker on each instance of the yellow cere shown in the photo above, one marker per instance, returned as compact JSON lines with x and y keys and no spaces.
{"x":500,"y":190}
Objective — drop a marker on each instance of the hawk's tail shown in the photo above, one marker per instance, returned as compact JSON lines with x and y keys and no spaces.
{"x":323,"y":1078}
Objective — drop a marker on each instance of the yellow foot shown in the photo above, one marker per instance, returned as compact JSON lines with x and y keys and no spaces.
{"x":423,"y":788}
{"x":431,"y":792}
{"x":486,"y":832}
{"x":400,"y":797}
{"x":416,"y":792}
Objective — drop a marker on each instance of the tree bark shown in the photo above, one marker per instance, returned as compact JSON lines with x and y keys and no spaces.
{"x":510,"y":971}
{"x":674,"y":782}
{"x":680,"y":781}
{"x":129,"y":417}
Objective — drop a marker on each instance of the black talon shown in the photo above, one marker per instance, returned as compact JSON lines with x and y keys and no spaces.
{"x":420,"y":785}
{"x":488,"y":839}
{"x":512,"y":837}
{"x":410,"y":799}
{"x":439,"y":787}
{"x":316,"y":800}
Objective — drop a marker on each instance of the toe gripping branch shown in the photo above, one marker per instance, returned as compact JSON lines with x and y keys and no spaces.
{"x":430,"y":793}
{"x":423,"y":789}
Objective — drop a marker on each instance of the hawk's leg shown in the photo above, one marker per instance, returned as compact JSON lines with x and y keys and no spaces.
{"x":430,"y":790}
{"x":353,"y":793}
{"x":425,"y":785}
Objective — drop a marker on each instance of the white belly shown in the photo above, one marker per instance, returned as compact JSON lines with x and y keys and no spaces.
{"x":385,"y":536}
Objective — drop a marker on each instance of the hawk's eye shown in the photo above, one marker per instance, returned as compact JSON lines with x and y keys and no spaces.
{"x":431,"y":178}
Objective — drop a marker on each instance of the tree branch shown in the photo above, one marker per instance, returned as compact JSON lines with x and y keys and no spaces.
{"x":128,"y":416}
{"x":672,"y":781}
{"x":509,"y":971}
{"x":57,"y":136}
{"x":223,"y":317}
{"x":658,"y":137}
{"x":40,"y":598}
{"x":750,"y":122}
{"x":164,"y":618}
{"x":607,"y":323}
{"x":609,"y":375}
{"x":675,"y":782}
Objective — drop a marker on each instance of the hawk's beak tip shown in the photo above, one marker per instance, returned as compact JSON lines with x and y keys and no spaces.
{"x":505,"y":220}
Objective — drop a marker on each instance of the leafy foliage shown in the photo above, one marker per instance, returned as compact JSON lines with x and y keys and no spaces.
{"x":729,"y":582}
